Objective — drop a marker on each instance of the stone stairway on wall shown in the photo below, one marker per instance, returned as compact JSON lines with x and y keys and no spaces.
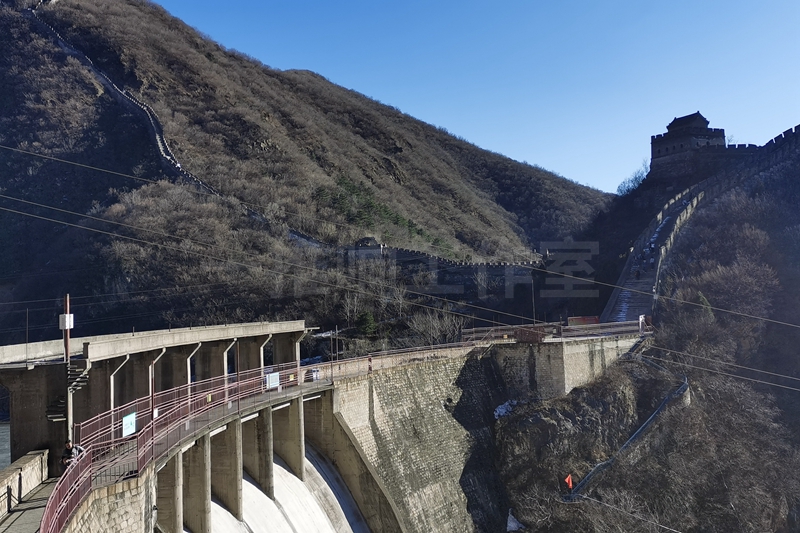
{"x":635,"y":297}
{"x":635,"y":300}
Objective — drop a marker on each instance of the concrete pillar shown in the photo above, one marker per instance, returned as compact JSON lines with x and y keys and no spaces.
{"x":197,"y":486}
{"x":286,"y":348}
{"x":94,"y":398}
{"x":171,"y":370}
{"x":169,"y":495}
{"x":132,"y":381}
{"x":319,"y":422}
{"x":117,"y":382}
{"x":226,"y":467}
{"x":210,"y":360}
{"x":289,"y":435}
{"x":257,"y":451}
{"x":31,"y":392}
{"x":139,"y":375}
{"x":250,"y":351}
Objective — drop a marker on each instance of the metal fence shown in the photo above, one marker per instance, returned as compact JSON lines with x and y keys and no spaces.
{"x":552,"y":331}
{"x":120,"y":443}
{"x":600,"y":330}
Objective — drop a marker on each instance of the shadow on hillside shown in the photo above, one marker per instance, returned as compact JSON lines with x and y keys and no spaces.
{"x":482,"y":390}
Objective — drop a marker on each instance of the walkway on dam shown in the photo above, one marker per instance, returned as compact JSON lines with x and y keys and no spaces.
{"x":27,"y":516}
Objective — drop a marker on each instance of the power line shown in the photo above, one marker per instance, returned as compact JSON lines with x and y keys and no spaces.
{"x":717,"y":361}
{"x":287,"y":274}
{"x":217,"y":248}
{"x":40,"y":273}
{"x":220,"y":287}
{"x":199,"y":192}
{"x":670,"y":361}
{"x":584,"y":280}
{"x":666,"y":298}
{"x":294,"y":265}
{"x":81,"y":165}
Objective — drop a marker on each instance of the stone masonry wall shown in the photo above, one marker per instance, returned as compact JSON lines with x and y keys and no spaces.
{"x":517,"y":365}
{"x":552,"y":369}
{"x":125,"y":507}
{"x":586,"y":360}
{"x":21,"y":477}
{"x":432,"y":450}
{"x":780,"y":151}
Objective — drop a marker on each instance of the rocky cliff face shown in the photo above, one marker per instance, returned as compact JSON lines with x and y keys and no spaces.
{"x":540,"y":443}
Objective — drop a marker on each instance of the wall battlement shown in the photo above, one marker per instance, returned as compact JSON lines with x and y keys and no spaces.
{"x":689,"y":153}
{"x":760,"y":161}
{"x":704,"y":130}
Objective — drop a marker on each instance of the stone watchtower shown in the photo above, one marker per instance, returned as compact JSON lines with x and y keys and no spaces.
{"x":691,"y":151}
{"x":684,"y":134}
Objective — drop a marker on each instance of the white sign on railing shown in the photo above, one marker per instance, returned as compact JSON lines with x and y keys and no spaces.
{"x":273,"y":380}
{"x":129,"y":424}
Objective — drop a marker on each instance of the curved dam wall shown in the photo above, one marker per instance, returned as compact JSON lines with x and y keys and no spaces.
{"x":413,"y":443}
{"x":419,"y":444}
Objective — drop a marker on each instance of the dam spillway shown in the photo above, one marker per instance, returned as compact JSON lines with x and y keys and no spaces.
{"x":320,"y":504}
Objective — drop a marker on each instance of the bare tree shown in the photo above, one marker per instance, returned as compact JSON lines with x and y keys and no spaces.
{"x":436,"y":327}
{"x":352,"y":306}
{"x":399,"y":300}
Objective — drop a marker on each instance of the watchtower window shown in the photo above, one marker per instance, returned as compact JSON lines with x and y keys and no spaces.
{"x":681,"y":145}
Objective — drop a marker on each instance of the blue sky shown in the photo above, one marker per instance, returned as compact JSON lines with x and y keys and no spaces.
{"x":576,"y":87}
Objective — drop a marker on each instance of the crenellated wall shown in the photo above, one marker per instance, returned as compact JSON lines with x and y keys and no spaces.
{"x":690,"y":161}
{"x":781,"y":150}
{"x":429,"y":274}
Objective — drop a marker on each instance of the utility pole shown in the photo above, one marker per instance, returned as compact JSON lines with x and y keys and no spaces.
{"x":66,"y":322}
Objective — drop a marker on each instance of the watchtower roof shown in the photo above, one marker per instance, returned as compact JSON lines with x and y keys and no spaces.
{"x":695,"y":120}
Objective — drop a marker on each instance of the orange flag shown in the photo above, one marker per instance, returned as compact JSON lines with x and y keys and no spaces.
{"x":568,"y":481}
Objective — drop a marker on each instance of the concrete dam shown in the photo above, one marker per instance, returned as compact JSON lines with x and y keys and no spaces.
{"x":408,"y":434}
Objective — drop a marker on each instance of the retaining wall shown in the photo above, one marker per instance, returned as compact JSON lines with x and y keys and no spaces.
{"x":552,"y":369}
{"x":424,"y":432}
{"x":21,"y":477}
{"x":125,"y":507}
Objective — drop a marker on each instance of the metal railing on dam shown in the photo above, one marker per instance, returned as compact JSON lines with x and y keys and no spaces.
{"x":120,"y":443}
{"x":551,"y":332}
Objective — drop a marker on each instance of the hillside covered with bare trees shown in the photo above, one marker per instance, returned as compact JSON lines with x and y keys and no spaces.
{"x":724,"y":456}
{"x":281,"y":151}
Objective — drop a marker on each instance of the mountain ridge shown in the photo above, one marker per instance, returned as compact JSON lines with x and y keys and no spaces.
{"x":304,"y":153}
